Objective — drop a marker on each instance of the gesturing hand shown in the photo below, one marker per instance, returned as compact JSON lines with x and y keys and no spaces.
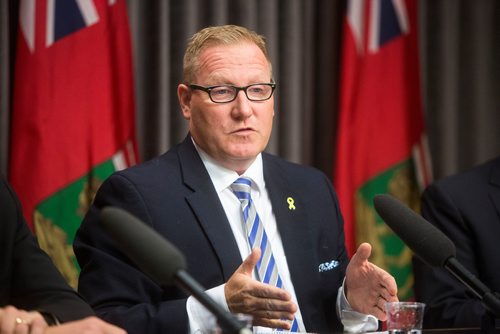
{"x":368,"y":286}
{"x":270,"y":306}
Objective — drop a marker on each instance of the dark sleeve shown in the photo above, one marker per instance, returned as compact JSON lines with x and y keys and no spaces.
{"x":448,"y":302}
{"x":32,"y":281}
{"x":116,"y":289}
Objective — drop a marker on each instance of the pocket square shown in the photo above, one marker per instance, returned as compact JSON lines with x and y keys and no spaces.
{"x":326,"y":266}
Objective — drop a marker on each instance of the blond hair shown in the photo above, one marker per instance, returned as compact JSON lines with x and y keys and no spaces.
{"x":214,"y":36}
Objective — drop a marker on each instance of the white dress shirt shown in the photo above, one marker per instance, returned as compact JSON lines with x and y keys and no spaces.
{"x":200,"y":320}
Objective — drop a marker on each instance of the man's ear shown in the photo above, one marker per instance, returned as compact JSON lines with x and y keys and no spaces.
{"x":184,"y":95}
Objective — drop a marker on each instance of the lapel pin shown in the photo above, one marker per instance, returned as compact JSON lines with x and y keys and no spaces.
{"x":291,"y":203}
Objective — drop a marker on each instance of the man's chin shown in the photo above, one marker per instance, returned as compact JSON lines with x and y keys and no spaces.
{"x":246,"y":153}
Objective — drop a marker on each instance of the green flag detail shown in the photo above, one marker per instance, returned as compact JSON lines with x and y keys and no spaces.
{"x":389,"y":251}
{"x":58,"y":217}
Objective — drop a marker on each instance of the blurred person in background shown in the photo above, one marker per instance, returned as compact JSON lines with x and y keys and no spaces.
{"x":466,"y":207}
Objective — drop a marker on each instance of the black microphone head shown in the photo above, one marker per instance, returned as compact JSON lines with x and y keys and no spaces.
{"x":152,"y":253}
{"x":423,"y":238}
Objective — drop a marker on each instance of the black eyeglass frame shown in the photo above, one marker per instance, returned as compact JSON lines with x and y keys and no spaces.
{"x":208,"y":89}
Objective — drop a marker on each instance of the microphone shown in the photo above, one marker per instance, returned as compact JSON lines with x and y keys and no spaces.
{"x":423,"y":238}
{"x":161,"y":261}
{"x":431,"y":245}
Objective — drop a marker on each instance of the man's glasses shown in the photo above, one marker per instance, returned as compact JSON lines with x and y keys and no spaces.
{"x":228,"y":93}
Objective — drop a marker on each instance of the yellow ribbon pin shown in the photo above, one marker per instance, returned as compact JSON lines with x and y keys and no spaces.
{"x":291,"y":203}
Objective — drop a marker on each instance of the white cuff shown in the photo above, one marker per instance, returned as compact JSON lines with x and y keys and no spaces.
{"x":201,"y":320}
{"x":354,"y":322}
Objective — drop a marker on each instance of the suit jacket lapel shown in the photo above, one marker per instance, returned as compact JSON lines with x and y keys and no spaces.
{"x":206,"y":205}
{"x":291,"y":219}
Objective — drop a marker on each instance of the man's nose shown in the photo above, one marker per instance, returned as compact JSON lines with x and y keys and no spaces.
{"x":243,"y":106}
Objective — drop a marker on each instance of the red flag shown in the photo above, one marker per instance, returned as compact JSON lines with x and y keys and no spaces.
{"x":381,"y":139}
{"x":73,"y":119}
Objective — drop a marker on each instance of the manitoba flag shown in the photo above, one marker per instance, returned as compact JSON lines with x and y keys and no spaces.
{"x":73,"y":114}
{"x":381,"y":146}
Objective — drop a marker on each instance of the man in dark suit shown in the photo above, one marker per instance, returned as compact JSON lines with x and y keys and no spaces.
{"x":187,"y":196}
{"x":33,"y":295}
{"x":466,"y":207}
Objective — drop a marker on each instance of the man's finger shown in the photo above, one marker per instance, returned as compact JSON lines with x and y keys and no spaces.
{"x":267,"y":304}
{"x":37,"y":327}
{"x":270,"y":292}
{"x":274,"y":315}
{"x":363,"y":253}
{"x":391,"y":285}
{"x":250,"y":262}
{"x":37,"y":323}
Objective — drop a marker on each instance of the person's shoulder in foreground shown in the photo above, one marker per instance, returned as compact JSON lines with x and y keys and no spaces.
{"x":33,"y":295}
{"x":29,"y":280}
{"x":466,"y":207}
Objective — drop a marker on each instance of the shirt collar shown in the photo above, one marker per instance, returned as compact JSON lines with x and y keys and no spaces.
{"x":222,"y":177}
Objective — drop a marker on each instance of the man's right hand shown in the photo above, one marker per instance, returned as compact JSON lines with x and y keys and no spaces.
{"x":270,"y":306}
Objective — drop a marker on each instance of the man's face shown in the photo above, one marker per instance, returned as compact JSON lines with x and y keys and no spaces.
{"x":232,"y":133}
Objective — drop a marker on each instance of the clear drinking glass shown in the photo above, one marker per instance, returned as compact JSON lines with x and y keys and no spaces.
{"x":404,"y":317}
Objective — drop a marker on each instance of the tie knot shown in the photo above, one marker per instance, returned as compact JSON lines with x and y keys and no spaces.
{"x":241,"y":188}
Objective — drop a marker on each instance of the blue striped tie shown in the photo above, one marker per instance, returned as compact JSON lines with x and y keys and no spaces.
{"x":266,"y":266}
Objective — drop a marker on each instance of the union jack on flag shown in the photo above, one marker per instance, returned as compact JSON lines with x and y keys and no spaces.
{"x":387,"y":19}
{"x":62,"y":17}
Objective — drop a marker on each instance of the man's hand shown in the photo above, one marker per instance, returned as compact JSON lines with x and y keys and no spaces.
{"x":368,"y":286}
{"x":270,"y":306}
{"x":89,"y":325}
{"x":13,"y":320}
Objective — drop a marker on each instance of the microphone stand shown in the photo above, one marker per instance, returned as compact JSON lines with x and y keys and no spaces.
{"x":489,"y":299}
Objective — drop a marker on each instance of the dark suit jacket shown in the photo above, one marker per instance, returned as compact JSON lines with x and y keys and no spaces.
{"x":466,"y":207}
{"x":174,"y":194}
{"x":28,"y":279}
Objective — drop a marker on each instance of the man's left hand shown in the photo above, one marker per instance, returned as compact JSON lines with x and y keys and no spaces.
{"x":368,"y":286}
